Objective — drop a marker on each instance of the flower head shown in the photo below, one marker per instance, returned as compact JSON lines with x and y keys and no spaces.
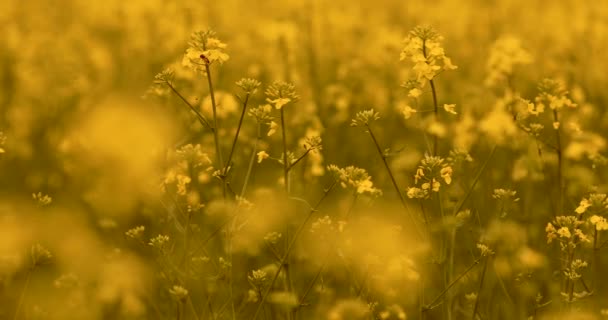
{"x":205,"y":49}
{"x":364,"y":118}
{"x":280,"y":93}
{"x":250,"y":86}
{"x":423,"y":48}
{"x":356,"y":178}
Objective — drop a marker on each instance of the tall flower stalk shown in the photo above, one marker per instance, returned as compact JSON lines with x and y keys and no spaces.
{"x":423,"y":48}
{"x":205,"y":49}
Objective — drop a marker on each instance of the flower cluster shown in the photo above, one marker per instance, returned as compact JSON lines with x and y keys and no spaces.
{"x":179,"y":293}
{"x":364,"y":118}
{"x":552,"y":94}
{"x":205,"y":49}
{"x":262,"y":113}
{"x":567,"y":230}
{"x":596,"y":201}
{"x":185,"y":159}
{"x":42,"y":199}
{"x":258,"y":279}
{"x":506,"y":53}
{"x":280,"y":93}
{"x":159,"y":242}
{"x":599,"y":223}
{"x":312,"y":143}
{"x":165,"y":77}
{"x":430,"y":172}
{"x":423,"y":48}
{"x":325,"y":227}
{"x":485,"y":250}
{"x":40,"y":255}
{"x":507,"y":198}
{"x":136,"y":233}
{"x":356,"y":178}
{"x":250,"y":86}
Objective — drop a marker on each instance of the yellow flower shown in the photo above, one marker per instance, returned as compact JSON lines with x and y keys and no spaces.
{"x":262,"y":155}
{"x":414,"y":93}
{"x":600,"y":223}
{"x":446,"y":174}
{"x":583,"y":205}
{"x":450,"y":108}
{"x":273,"y":128}
{"x":436,"y":185}
{"x":564,"y":232}
{"x":279,"y":102}
{"x":407,"y":111}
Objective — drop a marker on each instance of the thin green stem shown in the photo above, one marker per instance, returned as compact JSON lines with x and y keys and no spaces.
{"x":23,"y":291}
{"x":199,"y":116}
{"x":236,"y":136}
{"x":251,"y":160}
{"x":483,"y":276}
{"x":435,"y":104}
{"x":285,"y":160}
{"x":433,"y":303}
{"x":477,"y":177}
{"x":299,"y":159}
{"x":392,"y":177}
{"x":216,"y":137}
{"x":560,"y":164}
{"x":436,"y":115}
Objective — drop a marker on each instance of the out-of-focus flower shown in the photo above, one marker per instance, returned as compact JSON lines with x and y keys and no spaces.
{"x":262,"y":155}
{"x":506,"y":53}
{"x":42,"y":199}
{"x":450,"y":108}
{"x":179,"y":293}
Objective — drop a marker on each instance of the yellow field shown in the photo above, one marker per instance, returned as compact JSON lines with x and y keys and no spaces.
{"x":309,"y":159}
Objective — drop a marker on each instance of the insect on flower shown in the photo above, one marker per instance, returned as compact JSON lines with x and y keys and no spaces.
{"x":205,"y":59}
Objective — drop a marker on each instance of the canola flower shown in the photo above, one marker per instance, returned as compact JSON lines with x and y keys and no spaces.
{"x":220,"y":239}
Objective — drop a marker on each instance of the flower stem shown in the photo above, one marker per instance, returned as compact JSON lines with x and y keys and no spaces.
{"x":216,"y":138}
{"x":464,"y":273}
{"x":560,"y":164}
{"x":236,"y":136}
{"x":435,"y":105}
{"x":483,"y":276}
{"x":285,"y":160}
{"x":199,"y":116}
{"x":436,"y":115}
{"x":23,"y":291}
{"x":392,"y":177}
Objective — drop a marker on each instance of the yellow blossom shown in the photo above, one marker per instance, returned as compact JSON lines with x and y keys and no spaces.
{"x":564,"y":232}
{"x":446,"y":174}
{"x":262,"y":155}
{"x":407,"y":111}
{"x":450,"y":108}
{"x":414,"y":93}
{"x":273,"y":128}
{"x":583,"y":205}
